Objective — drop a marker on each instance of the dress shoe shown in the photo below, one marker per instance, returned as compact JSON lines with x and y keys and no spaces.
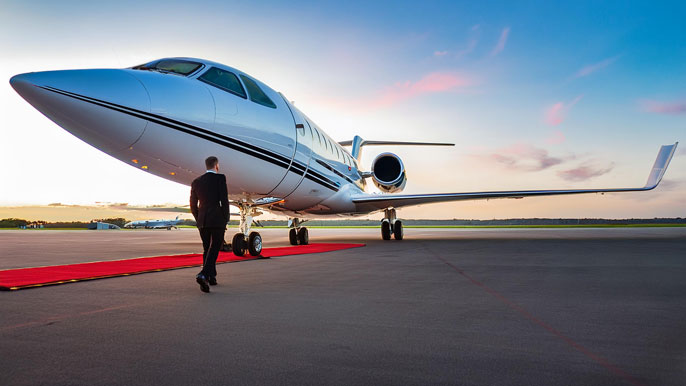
{"x":204,"y":285}
{"x":212,"y":280}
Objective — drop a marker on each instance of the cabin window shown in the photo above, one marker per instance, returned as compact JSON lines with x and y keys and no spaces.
{"x":308,"y":125}
{"x":174,"y":66}
{"x":319,"y":138}
{"x":224,"y":80}
{"x":256,"y":94}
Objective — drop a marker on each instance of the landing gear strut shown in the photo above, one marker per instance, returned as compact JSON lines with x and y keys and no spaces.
{"x":245,"y":240}
{"x":390,"y":224}
{"x":297,"y":234}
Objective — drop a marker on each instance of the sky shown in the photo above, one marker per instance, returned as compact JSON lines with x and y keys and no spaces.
{"x":535,"y":95}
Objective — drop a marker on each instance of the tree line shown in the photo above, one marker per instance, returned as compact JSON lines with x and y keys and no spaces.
{"x":118,"y":221}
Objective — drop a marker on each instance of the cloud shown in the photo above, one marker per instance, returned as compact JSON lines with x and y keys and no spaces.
{"x":523,"y":157}
{"x":440,"y":53}
{"x":557,"y":137}
{"x":501,"y":42}
{"x":557,"y":113}
{"x":669,"y":185}
{"x":471,"y":43}
{"x":672,"y":108}
{"x":584,"y":172}
{"x":591,"y":68}
{"x":434,"y":82}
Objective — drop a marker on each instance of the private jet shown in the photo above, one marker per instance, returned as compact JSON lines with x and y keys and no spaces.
{"x":154,"y":224}
{"x":166,"y":116}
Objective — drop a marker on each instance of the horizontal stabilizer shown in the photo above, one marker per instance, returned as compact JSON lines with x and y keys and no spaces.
{"x":379,"y":143}
{"x":357,"y":143}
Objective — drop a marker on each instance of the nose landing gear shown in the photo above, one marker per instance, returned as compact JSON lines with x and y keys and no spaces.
{"x":245,"y":240}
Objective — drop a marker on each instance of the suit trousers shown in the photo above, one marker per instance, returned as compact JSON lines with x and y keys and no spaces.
{"x":212,"y":240}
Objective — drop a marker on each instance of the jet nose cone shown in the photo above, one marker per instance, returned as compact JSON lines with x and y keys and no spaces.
{"x":21,"y":83}
{"x":17,"y":80}
{"x":101,"y":107}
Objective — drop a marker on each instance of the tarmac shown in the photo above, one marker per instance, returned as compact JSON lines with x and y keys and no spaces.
{"x":444,"y":306}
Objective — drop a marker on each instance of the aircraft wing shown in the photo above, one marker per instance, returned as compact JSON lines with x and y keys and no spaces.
{"x":382,"y":201}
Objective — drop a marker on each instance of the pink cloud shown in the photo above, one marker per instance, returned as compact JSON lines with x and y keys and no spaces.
{"x":557,"y":137}
{"x":673,"y":108}
{"x":558,"y":112}
{"x":523,"y":157}
{"x":440,"y":53}
{"x":584,"y":172}
{"x":501,"y":42}
{"x":588,"y":70}
{"x":435,"y":82}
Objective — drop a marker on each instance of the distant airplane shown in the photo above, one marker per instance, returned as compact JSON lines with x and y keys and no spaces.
{"x":154,"y":224}
{"x":167,"y":116}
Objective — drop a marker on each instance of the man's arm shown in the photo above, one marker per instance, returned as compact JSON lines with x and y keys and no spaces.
{"x":194,"y":202}
{"x":224,"y":198}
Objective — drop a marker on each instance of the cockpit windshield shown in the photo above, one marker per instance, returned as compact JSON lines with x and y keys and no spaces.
{"x":174,"y":66}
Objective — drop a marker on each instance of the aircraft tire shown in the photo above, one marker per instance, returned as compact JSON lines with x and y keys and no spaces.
{"x":238,"y":244}
{"x":303,"y":236}
{"x":385,"y":230}
{"x":398,"y":230}
{"x":293,"y":236}
{"x":254,"y":244}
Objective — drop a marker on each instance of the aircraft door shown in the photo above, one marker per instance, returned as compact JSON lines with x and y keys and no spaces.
{"x":301,"y":158}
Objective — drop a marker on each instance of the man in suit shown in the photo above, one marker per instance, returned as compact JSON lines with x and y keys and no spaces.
{"x":210,"y":207}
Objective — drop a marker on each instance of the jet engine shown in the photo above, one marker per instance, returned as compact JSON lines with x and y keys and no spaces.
{"x":388,"y":173}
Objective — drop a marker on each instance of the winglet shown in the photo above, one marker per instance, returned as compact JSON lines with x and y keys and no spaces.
{"x":660,"y":166}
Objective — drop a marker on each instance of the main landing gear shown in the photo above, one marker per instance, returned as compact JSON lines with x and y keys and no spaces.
{"x":297,"y":235}
{"x":245,"y":240}
{"x":390,"y":224}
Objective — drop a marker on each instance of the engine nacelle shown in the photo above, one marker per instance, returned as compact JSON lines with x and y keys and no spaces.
{"x":388,"y":173}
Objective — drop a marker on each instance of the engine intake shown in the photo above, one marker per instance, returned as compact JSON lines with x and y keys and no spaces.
{"x":388,"y":173}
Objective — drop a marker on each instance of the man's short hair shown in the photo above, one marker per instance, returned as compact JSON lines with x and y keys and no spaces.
{"x":211,"y":162}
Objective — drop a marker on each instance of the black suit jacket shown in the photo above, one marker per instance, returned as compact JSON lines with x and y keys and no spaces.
{"x":210,"y":201}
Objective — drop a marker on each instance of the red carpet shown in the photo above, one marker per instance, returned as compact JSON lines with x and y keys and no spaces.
{"x":13,"y":279}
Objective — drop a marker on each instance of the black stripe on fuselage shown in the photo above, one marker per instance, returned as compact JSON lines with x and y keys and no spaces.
{"x":333,"y":169}
{"x":255,"y":151}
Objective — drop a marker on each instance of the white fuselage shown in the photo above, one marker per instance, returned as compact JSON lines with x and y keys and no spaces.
{"x":167,"y":124}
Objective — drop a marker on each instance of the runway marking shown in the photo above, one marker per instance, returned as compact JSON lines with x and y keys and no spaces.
{"x":595,"y":357}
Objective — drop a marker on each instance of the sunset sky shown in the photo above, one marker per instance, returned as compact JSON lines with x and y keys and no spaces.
{"x":536,"y":95}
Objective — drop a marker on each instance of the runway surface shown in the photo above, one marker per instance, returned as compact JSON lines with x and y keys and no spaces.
{"x":444,"y":306}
